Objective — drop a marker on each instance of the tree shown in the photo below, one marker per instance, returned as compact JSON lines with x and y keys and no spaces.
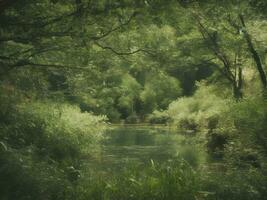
{"x":226,"y":33}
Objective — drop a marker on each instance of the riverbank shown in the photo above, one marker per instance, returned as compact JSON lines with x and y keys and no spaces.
{"x":145,"y":163}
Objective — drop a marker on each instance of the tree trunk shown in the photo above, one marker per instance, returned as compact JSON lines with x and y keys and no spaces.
{"x":235,"y":79}
{"x":254,"y":53}
{"x":237,"y":85}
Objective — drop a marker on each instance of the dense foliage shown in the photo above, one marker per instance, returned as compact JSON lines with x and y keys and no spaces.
{"x":41,"y":147}
{"x":69,"y":68}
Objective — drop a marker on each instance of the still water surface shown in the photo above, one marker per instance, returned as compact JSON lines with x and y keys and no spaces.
{"x":138,"y":145}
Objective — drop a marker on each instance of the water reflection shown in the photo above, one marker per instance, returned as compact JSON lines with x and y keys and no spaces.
{"x":126,"y":145}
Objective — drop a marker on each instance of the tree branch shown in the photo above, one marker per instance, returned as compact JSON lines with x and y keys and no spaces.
{"x":215,"y":48}
{"x":122,"y":53}
{"x":114,"y":29}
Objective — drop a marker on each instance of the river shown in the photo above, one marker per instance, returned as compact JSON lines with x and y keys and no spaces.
{"x":128,"y":145}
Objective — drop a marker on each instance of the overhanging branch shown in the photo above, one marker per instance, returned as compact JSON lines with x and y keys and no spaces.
{"x":122,"y":53}
{"x":114,"y":29}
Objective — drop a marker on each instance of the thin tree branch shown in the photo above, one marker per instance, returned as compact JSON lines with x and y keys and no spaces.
{"x":114,"y":29}
{"x":122,"y":53}
{"x":215,"y":48}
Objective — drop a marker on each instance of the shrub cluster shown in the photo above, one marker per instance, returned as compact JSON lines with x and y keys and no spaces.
{"x":41,"y":148}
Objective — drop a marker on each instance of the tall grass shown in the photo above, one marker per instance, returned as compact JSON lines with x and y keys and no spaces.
{"x":172,"y":180}
{"x":41,"y":146}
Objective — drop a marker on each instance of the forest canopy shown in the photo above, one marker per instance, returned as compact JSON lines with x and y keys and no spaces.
{"x":69,"y":69}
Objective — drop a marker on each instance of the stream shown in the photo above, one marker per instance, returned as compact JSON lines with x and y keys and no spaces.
{"x":128,"y":145}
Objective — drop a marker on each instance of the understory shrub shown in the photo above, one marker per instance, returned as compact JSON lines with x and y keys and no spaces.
{"x":197,"y":112}
{"x":41,"y":146}
{"x":158,"y":117}
{"x":244,"y":123}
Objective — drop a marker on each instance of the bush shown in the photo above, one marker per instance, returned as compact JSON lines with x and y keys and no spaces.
{"x":158,"y":117}
{"x":194,"y":113}
{"x":236,"y":184}
{"x":41,"y":149}
{"x":132,"y":119}
{"x":244,"y":124}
